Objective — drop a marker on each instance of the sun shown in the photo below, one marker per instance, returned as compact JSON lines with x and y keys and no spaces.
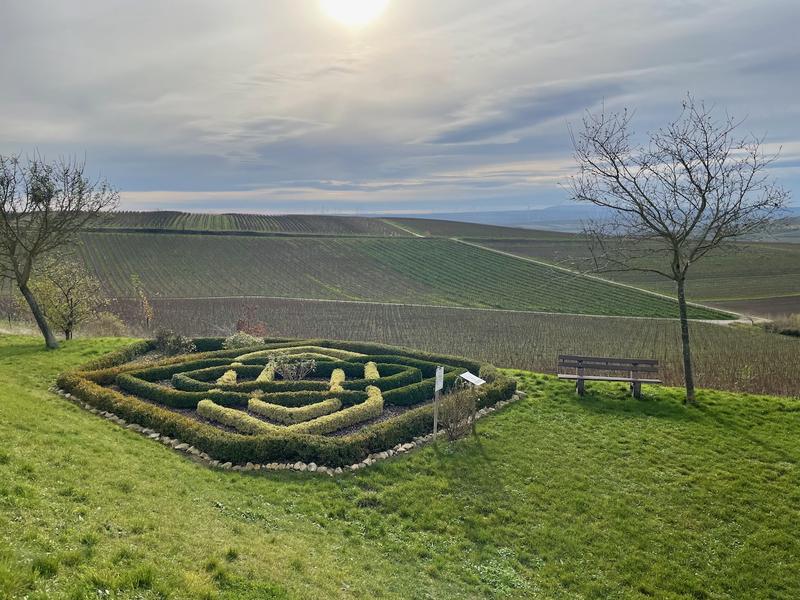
{"x":354,"y":13}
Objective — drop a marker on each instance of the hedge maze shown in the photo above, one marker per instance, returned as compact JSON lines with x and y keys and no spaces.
{"x":235,"y":406}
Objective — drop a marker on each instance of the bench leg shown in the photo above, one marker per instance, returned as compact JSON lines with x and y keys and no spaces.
{"x":636,"y":389}
{"x":580,"y":386}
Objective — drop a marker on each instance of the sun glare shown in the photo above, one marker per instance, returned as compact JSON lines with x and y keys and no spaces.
{"x":354,"y":13}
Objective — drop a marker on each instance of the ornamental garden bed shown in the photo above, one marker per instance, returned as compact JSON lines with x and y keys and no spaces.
{"x":362,"y":399}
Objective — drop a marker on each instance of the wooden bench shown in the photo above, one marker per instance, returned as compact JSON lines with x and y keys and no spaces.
{"x":635,"y":367}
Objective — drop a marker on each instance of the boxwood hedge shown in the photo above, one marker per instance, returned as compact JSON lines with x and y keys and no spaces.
{"x":148,"y":394}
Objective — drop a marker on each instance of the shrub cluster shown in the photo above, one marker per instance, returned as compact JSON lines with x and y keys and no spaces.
{"x":337,"y":379}
{"x":241,"y":339}
{"x":371,"y":371}
{"x":228,"y":378}
{"x":170,"y":343}
{"x":292,"y":415}
{"x":288,"y":435}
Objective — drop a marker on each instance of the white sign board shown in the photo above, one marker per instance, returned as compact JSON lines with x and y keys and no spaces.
{"x":473,"y":379}
{"x":439,"y":379}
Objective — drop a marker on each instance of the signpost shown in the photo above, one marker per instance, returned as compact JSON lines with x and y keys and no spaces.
{"x":437,"y":394}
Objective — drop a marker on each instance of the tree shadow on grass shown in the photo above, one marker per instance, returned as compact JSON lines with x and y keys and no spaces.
{"x":616,"y":400}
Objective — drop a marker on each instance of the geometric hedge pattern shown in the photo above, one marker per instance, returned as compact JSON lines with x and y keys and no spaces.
{"x":361,"y":398}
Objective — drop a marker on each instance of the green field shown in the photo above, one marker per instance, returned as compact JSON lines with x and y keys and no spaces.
{"x":732,"y":358}
{"x":768,"y":271}
{"x":458,"y":229}
{"x":426,"y":271}
{"x":236,"y":222}
{"x":557,"y":498}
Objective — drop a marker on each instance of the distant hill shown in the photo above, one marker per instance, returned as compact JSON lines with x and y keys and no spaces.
{"x":565,"y":218}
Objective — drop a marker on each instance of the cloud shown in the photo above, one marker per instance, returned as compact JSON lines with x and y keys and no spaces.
{"x":257,"y":105}
{"x":504,"y":116}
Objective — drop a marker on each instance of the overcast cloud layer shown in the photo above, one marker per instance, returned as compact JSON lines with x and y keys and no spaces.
{"x":270,"y":106}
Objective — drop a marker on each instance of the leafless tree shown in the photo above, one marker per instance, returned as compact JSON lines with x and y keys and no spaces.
{"x":694,"y":188}
{"x":43,"y":206}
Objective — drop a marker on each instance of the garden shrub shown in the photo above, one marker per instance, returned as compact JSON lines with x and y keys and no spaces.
{"x":457,"y":411}
{"x":292,"y":415}
{"x":228,"y":378}
{"x":369,"y":409}
{"x":371,"y":371}
{"x":337,"y":379}
{"x":241,"y":339}
{"x":267,"y":375}
{"x":301,"y":414}
{"x":170,"y":343}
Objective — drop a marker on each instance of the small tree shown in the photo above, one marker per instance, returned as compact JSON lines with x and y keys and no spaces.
{"x":693,"y":189}
{"x":146,"y":311}
{"x":43,"y":206}
{"x":68,"y":294}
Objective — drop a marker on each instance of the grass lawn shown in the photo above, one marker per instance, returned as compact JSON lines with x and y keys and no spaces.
{"x":604,"y":497}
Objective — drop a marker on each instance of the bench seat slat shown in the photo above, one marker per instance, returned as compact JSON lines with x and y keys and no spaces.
{"x":609,"y":367}
{"x":601,"y":359}
{"x":603,"y":378}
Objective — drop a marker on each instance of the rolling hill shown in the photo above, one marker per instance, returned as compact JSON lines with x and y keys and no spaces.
{"x":399,"y":270}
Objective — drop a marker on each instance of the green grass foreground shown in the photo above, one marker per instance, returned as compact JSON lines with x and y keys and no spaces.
{"x":604,"y":497}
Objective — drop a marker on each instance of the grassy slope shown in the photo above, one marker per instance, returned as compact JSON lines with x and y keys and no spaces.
{"x":560,"y":498}
{"x":409,"y":270}
{"x":759,"y":270}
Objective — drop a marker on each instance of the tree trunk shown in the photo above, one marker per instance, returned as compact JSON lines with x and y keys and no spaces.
{"x":44,"y":326}
{"x":688,"y":374}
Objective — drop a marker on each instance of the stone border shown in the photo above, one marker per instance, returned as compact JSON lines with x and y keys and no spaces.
{"x":199,"y":456}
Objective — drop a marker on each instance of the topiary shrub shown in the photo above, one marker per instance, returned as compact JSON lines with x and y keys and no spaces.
{"x":241,"y":339}
{"x":196,"y":399}
{"x":170,"y":343}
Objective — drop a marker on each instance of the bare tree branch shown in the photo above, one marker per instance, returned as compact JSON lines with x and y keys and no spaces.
{"x":694,"y":188}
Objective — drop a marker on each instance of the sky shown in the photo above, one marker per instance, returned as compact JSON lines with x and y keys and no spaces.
{"x":453,"y":105}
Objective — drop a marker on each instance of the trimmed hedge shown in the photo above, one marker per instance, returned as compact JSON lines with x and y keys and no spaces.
{"x":369,"y":409}
{"x":291,"y":416}
{"x":281,"y":443}
{"x":371,"y":371}
{"x":267,"y":375}
{"x":238,"y":420}
{"x":228,"y":378}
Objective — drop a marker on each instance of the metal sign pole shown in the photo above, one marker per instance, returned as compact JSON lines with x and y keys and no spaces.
{"x":436,"y":415}
{"x":437,"y":395}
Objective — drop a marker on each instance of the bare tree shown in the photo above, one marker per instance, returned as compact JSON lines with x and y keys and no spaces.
{"x":694,"y":188}
{"x":68,"y":294}
{"x":43,"y":206}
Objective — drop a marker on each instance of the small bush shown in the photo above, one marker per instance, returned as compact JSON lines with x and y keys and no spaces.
{"x":293,"y":369}
{"x":267,"y":375}
{"x":337,"y":379}
{"x":785,"y":325}
{"x":104,"y":324}
{"x":229,"y":378}
{"x":457,"y":412}
{"x":371,"y":371}
{"x":241,"y":339}
{"x":170,"y":343}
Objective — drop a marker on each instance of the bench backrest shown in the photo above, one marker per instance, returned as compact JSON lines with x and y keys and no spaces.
{"x":595,"y":363}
